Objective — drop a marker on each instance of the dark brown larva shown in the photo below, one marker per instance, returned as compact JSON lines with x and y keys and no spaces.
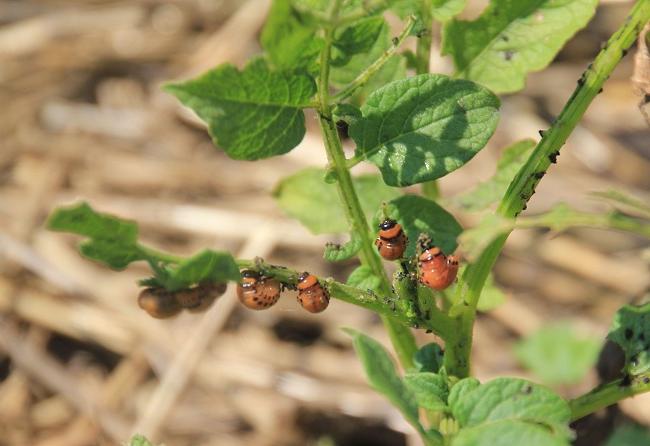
{"x":256,"y":292}
{"x":206,"y":293}
{"x":158,"y":302}
{"x":311,"y":294}
{"x":391,"y":241}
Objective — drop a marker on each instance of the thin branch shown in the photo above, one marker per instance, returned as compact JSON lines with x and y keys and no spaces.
{"x":608,"y":394}
{"x":365,"y":75}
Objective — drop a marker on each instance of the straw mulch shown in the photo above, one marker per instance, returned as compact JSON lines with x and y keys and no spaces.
{"x":83,"y":117}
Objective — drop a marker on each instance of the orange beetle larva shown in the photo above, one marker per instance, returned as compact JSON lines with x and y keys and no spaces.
{"x":257,"y":292}
{"x":391,"y":241}
{"x":311,"y":294}
{"x":437,"y":271}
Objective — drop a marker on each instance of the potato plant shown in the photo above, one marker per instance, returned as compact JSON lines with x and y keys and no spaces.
{"x":338,"y":59}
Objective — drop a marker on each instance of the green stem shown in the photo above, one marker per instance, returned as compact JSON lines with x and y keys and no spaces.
{"x":457,"y":362}
{"x":401,"y":336}
{"x":159,"y":255}
{"x":366,"y":74}
{"x":606,"y":395}
{"x":430,"y":189}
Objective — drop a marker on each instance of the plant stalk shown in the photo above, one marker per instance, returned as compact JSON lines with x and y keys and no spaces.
{"x":521,"y":189}
{"x":401,"y":337}
{"x":606,"y":395}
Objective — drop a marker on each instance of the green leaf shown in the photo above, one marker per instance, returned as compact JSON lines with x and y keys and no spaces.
{"x":251,"y":114}
{"x":631,"y":331}
{"x":557,"y":354}
{"x":290,"y":39}
{"x":473,"y":241}
{"x":83,"y":220}
{"x":492,"y":191}
{"x":509,"y":411}
{"x":338,"y":253}
{"x":441,"y":10}
{"x":113,"y":241}
{"x":206,"y":266}
{"x":316,"y":204}
{"x":114,"y":253}
{"x":139,"y":440}
{"x":357,"y":38}
{"x":430,"y":390}
{"x":491,"y":295}
{"x":347,"y":8}
{"x":419,"y":215}
{"x":624,"y":202}
{"x":629,"y":435}
{"x":460,"y":389}
{"x":364,"y":279}
{"x":380,"y":370}
{"x":393,"y":69}
{"x":421,"y":128}
{"x":444,"y":10}
{"x":428,"y":358}
{"x":512,"y":38}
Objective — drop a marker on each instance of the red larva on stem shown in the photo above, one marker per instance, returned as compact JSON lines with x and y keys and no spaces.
{"x":257,"y":292}
{"x":311,"y":294}
{"x":391,"y":241}
{"x":437,"y":271}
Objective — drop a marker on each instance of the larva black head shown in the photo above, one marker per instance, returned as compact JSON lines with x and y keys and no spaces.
{"x":250,"y":273}
{"x":387,"y":224}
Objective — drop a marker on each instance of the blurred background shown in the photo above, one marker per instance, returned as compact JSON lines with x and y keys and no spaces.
{"x":83,"y":117}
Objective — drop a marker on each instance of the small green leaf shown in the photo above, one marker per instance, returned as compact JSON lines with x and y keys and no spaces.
{"x":509,"y":411}
{"x":557,"y":354}
{"x":631,"y":331}
{"x":83,"y":220}
{"x":473,"y":241}
{"x":363,"y":278}
{"x":512,"y":38}
{"x":428,"y":358}
{"x":491,"y":295}
{"x":423,"y":127}
{"x":338,"y":253}
{"x":624,"y":202}
{"x":289,"y":38}
{"x":441,"y":10}
{"x":430,"y":390}
{"x":492,"y":191}
{"x":357,"y":38}
{"x":419,"y":215}
{"x":444,"y":10}
{"x":206,"y":266}
{"x":629,"y":435}
{"x":316,"y":204}
{"x":113,"y":241}
{"x":251,"y":114}
{"x":139,"y":440}
{"x":380,"y":370}
{"x":113,"y":253}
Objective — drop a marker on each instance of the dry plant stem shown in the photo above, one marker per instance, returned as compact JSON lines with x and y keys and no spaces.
{"x":458,"y":349}
{"x":400,"y":335}
{"x":606,"y":395}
